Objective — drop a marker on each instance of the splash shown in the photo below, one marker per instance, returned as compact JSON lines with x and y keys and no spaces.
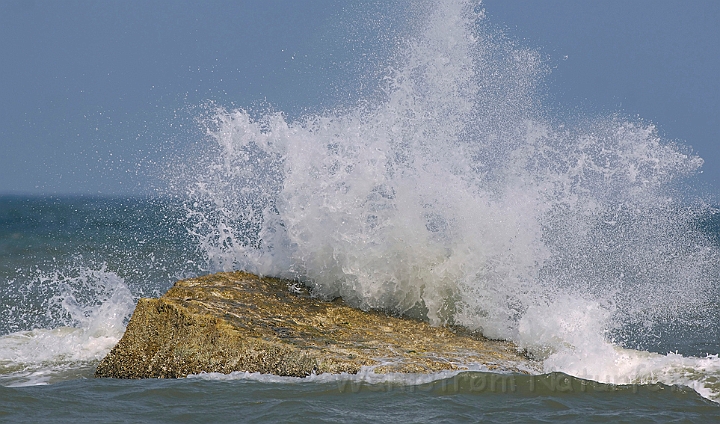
{"x":451,"y":195}
{"x":87,"y":313}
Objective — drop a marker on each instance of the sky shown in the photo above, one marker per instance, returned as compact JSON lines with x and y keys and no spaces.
{"x":95,"y":94}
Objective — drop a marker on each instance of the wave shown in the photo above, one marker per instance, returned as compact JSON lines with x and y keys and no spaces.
{"x":451,"y":194}
{"x":85,"y":317}
{"x":447,"y":382}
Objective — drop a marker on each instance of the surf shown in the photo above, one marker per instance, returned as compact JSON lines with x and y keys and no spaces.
{"x":451,"y":193}
{"x":87,"y":309}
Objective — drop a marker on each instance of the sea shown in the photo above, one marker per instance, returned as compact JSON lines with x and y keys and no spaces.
{"x":450,"y":193}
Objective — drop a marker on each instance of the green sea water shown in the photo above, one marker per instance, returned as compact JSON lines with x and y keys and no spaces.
{"x":468,"y":397}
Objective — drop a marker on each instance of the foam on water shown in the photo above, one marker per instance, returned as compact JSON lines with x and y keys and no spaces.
{"x":450,"y":194}
{"x":88,"y":313}
{"x":366,"y":375}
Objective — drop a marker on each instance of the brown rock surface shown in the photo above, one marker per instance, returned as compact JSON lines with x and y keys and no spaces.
{"x":240,"y":322}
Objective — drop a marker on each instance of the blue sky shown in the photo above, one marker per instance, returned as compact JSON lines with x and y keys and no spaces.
{"x":93,"y":93}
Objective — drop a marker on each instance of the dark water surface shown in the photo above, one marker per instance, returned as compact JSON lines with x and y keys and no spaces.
{"x":459,"y":399}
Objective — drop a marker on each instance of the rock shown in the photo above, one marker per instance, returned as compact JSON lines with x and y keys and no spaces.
{"x":240,"y":322}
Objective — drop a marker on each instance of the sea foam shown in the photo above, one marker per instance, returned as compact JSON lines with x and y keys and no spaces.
{"x":451,"y":194}
{"x":88,"y":313}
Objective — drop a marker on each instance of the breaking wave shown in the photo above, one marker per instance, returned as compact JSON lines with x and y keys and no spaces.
{"x":451,"y":194}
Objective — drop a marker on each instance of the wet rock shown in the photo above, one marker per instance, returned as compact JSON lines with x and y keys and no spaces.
{"x":240,"y":322}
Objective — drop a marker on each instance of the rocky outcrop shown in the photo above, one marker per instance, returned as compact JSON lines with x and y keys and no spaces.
{"x":240,"y":322}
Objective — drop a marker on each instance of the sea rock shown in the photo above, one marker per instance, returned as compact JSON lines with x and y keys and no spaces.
{"x":241,"y":322}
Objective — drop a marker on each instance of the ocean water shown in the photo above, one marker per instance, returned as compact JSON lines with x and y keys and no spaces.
{"x":449,"y":193}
